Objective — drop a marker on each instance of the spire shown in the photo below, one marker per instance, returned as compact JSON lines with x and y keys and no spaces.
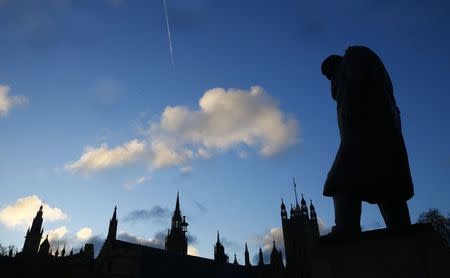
{"x":177,"y":205}
{"x":115,"y":213}
{"x":63,"y":252}
{"x":295,"y":191}
{"x":235,"y":260}
{"x":283,"y":207}
{"x":219,"y":251}
{"x":71,"y":252}
{"x":261,"y":258}
{"x":176,"y":240}
{"x":247,"y":256}
{"x":112,"y":230}
{"x":57,"y":252}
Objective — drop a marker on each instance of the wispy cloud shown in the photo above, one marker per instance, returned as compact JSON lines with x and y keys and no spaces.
{"x":224,"y":120}
{"x":200,"y":207}
{"x":186,"y":170}
{"x":131,"y":183}
{"x":21,"y":213}
{"x":7,"y":102}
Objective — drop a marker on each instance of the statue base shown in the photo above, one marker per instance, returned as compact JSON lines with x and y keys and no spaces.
{"x":416,"y":253}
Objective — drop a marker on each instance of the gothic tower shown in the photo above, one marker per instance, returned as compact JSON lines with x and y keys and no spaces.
{"x":299,"y":233}
{"x":34,"y":235}
{"x":219,"y":251}
{"x":112,"y":230}
{"x":176,"y":240}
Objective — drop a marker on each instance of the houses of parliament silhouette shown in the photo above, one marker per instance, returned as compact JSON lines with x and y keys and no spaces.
{"x":119,"y":258}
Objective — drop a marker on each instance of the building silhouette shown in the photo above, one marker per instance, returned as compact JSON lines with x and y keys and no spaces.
{"x":307,"y":255}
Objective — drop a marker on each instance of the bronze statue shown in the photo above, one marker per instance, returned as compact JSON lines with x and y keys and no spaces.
{"x":371,"y":164}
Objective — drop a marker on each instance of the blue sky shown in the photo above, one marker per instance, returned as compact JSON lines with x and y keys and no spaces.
{"x":89,"y":77}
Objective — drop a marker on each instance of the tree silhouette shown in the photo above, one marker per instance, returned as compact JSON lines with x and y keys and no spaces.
{"x":440,"y":223}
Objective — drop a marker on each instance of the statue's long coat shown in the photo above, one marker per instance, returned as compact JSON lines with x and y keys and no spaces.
{"x":372,"y":161}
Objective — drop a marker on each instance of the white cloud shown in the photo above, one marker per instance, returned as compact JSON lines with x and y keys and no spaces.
{"x":323,"y":227}
{"x":131,"y":183}
{"x":227,"y":118}
{"x":186,"y":170}
{"x":22,"y":212}
{"x":224,"y":120}
{"x":8,"y":102}
{"x":192,"y":251}
{"x":57,"y":234}
{"x":266,"y":243}
{"x":84,"y":233}
{"x":166,"y":156}
{"x":95,"y":159}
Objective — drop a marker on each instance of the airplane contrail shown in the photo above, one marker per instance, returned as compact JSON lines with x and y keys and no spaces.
{"x":168,"y":32}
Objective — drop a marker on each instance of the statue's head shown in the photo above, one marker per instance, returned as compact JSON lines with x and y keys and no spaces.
{"x":331,"y":65}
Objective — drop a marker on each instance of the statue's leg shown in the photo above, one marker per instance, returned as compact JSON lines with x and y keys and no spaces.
{"x":347,"y":214}
{"x":395,"y":214}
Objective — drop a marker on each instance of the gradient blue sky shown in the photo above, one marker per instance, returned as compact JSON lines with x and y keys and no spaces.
{"x":97,"y":72}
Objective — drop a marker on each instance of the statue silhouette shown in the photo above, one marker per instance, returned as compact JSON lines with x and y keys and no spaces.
{"x":372,"y":163}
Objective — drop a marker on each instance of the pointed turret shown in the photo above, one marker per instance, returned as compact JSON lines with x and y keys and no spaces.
{"x":261,"y":258}
{"x":235,"y":262}
{"x":283,"y":210}
{"x":219,"y":251}
{"x":247,"y":256}
{"x":57,"y":252}
{"x":112,"y":230}
{"x":276,"y":260}
{"x":71,"y":252}
{"x":304,"y":208}
{"x":312,"y":210}
{"x":45,"y":247}
{"x":63,"y":252}
{"x":314,"y":220}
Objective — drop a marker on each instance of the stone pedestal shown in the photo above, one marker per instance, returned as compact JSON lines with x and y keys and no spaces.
{"x":418,"y":252}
